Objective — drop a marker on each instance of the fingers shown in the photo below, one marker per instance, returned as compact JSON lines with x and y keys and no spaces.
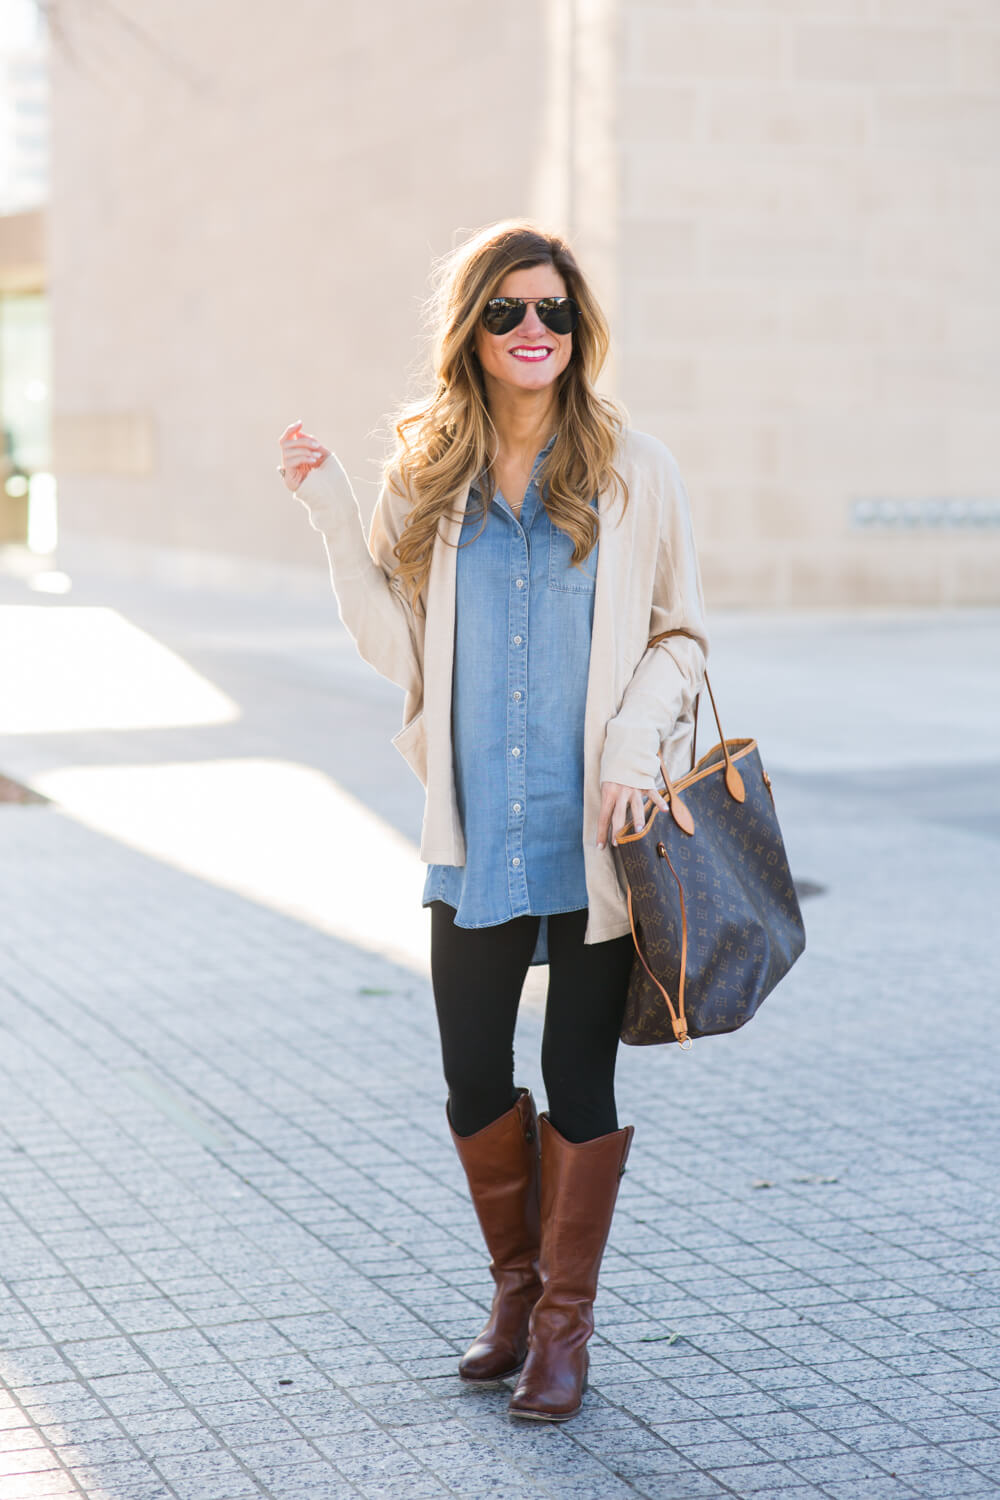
{"x":607,"y":807}
{"x":298,"y":447}
{"x":614,"y":811}
{"x":300,"y":453}
{"x":301,"y":442}
{"x":618,"y":804}
{"x":620,"y":817}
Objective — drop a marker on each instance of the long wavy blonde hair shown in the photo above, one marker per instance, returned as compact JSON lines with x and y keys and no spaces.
{"x":448,"y":437}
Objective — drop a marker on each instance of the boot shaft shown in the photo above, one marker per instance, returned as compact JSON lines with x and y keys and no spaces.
{"x":578,"y":1194}
{"x":501,"y":1167}
{"x":579,"y":1191}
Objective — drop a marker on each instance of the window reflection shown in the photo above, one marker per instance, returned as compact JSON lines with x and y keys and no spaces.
{"x":26,"y":483}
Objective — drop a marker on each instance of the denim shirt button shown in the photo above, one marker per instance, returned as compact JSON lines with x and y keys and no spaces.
{"x":524,"y":616}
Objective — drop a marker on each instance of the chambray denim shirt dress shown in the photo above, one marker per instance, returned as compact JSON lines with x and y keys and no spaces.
{"x":523,"y":620}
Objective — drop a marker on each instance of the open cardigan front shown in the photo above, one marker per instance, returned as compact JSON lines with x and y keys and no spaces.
{"x":640,"y":699}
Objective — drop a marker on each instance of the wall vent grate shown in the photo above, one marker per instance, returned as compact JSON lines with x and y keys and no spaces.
{"x":932,"y":514}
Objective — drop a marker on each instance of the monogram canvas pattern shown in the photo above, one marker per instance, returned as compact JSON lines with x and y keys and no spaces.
{"x":744,"y":926}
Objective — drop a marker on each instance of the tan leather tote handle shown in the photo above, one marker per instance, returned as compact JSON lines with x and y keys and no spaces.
{"x":734,"y":781}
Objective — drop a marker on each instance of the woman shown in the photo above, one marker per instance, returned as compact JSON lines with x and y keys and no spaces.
{"x":525,"y":548}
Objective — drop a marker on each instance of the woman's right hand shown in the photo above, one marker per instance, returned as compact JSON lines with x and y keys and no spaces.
{"x":299,"y":454}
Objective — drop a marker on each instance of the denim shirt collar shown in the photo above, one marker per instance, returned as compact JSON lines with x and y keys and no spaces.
{"x":476,"y":489}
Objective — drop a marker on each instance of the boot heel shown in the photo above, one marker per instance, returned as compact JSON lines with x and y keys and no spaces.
{"x":492,"y":1382}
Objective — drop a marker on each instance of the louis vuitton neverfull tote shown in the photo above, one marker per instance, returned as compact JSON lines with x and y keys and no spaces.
{"x":714,"y":911}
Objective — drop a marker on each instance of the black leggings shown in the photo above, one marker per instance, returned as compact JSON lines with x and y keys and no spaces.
{"x":477,"y":975}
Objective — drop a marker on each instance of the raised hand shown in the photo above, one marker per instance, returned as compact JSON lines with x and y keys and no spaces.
{"x":299,"y":454}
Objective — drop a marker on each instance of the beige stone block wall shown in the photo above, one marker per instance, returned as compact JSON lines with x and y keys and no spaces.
{"x":781,"y":115}
{"x":105,"y":443}
{"x":978,"y":61}
{"x":810,"y":227}
{"x":959,"y":13}
{"x":247,"y":198}
{"x":22,"y":251}
{"x":664,"y":45}
{"x":790,"y":209}
{"x":878,"y":53}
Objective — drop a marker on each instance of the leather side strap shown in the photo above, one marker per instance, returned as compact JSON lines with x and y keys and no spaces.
{"x":677,"y":1019}
{"x":684,"y":945}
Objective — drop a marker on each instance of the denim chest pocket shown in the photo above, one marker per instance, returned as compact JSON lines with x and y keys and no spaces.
{"x":564,"y":575}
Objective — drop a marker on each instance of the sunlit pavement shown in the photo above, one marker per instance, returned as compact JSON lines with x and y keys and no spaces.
{"x":238,"y":1255}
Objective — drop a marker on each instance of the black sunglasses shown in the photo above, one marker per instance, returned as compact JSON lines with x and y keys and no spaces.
{"x":501,"y":314}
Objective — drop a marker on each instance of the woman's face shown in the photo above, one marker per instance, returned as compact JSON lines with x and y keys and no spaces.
{"x":513,"y":358}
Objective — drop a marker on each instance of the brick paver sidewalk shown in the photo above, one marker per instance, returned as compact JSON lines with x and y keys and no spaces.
{"x":237,"y":1252}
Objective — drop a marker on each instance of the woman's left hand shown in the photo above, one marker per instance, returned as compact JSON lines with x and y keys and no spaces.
{"x":616,"y":803}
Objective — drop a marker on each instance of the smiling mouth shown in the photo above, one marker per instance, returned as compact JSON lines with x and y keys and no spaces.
{"x":531,"y":355}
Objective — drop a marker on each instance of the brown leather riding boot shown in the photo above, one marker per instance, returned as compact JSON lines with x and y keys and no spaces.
{"x":579,"y":1189}
{"x":501,"y":1165}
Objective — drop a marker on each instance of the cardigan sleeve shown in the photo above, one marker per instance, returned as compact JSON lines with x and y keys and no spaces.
{"x":668,"y":676}
{"x":374,"y":606}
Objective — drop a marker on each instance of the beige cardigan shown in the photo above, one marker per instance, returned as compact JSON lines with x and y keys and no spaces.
{"x":639,"y":700}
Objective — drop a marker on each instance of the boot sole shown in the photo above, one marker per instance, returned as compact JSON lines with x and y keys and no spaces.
{"x":491,"y":1382}
{"x":544,"y":1416}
